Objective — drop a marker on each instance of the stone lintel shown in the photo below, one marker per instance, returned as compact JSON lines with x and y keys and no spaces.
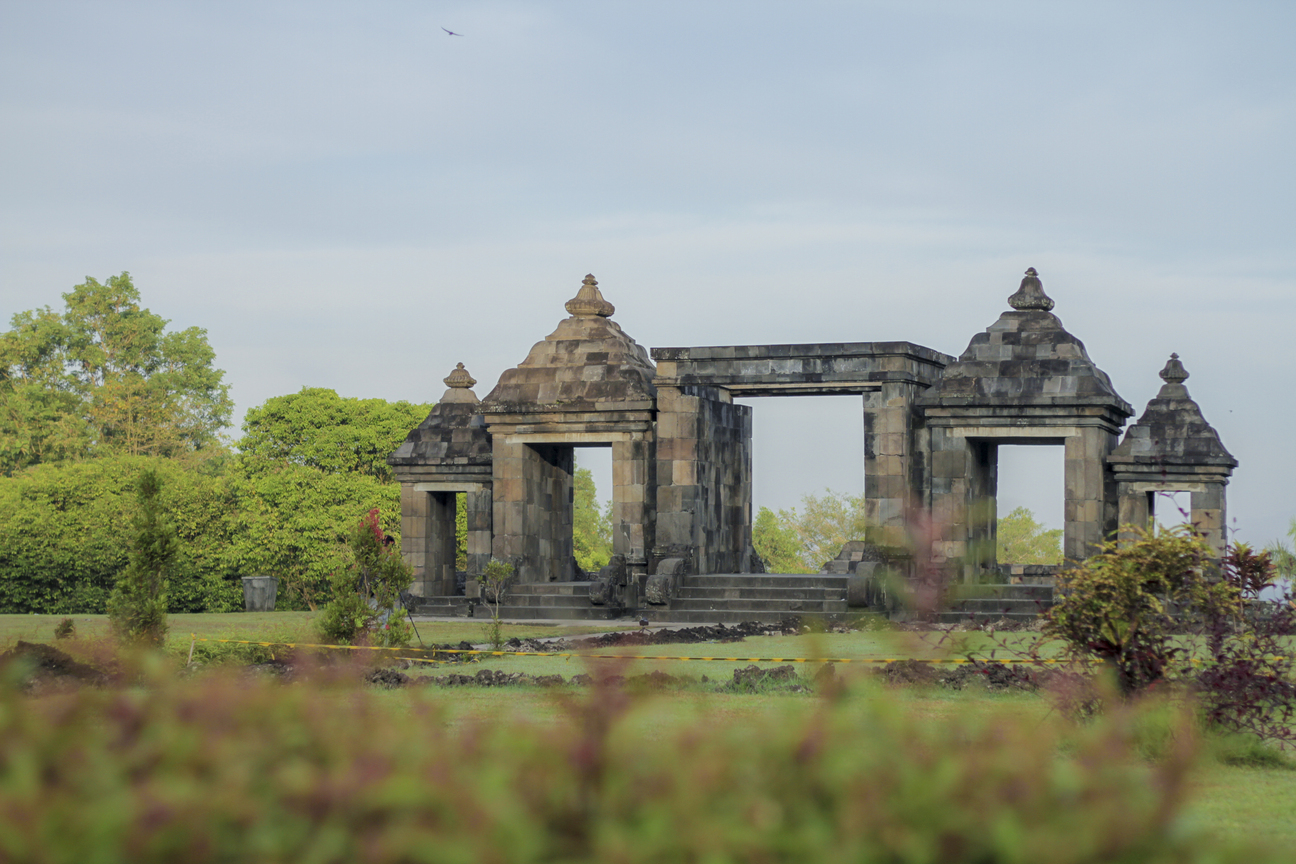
{"x":814,"y":349}
{"x":993,"y":421}
{"x":470,"y":474}
{"x":451,"y":486}
{"x":609,"y":431}
{"x":1135,"y":487}
{"x":492,"y":410}
{"x":756,"y":386}
{"x":1123,"y":473}
{"x":596,"y":438}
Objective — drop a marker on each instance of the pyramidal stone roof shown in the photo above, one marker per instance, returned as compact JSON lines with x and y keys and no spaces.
{"x":587,"y":364}
{"x":1172,"y":430}
{"x":453,"y":432}
{"x":1026,"y":358}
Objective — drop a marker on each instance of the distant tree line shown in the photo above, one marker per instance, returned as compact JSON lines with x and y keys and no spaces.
{"x":804,"y":540}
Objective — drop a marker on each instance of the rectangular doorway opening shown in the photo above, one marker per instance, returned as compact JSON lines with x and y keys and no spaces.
{"x":591,"y":520}
{"x":807,"y":478}
{"x":1170,"y":508}
{"x":1030,"y":508}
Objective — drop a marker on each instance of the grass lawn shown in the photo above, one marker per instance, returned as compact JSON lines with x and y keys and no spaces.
{"x":258,"y":626}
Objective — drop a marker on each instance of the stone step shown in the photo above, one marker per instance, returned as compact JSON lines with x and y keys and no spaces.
{"x":443,"y":606}
{"x":1013,"y":592}
{"x":728,"y":616}
{"x":790,"y":594}
{"x":551,"y":589}
{"x":567,"y":601}
{"x":562,"y":613}
{"x":766,"y":580}
{"x":787,"y":607}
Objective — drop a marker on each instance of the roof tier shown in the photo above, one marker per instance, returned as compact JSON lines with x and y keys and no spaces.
{"x":587,"y":364}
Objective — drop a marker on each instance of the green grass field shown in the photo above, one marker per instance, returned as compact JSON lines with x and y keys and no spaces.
{"x":1239,"y":802}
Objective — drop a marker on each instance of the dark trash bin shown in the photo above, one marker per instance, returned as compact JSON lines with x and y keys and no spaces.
{"x":259,"y":593}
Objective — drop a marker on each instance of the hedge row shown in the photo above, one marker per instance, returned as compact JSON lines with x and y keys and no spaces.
{"x":62,"y":543}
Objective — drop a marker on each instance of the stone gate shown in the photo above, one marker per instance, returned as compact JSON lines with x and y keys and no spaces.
{"x":681,"y":445}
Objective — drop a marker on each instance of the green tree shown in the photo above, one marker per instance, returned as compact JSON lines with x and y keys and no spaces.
{"x":826,"y":524}
{"x":137,"y":607}
{"x":105,"y":377}
{"x":1022,"y":540}
{"x":591,"y":525}
{"x":318,"y":428}
{"x":776,"y":542}
{"x":293,"y":521}
{"x":1282,"y":556}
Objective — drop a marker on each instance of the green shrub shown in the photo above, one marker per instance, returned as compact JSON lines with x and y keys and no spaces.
{"x":61,"y":545}
{"x":226,"y":770}
{"x":1125,"y":605}
{"x":366,"y":595}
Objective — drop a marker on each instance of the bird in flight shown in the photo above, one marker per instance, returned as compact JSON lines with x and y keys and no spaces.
{"x":451,"y":32}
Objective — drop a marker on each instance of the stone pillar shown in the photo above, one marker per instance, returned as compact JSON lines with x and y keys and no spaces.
{"x":1134,"y":510}
{"x":414,"y":534}
{"x":678,"y":489}
{"x":982,"y":504}
{"x":533,"y":508}
{"x":1090,"y":508}
{"x":951,"y":466}
{"x":439,"y":577}
{"x":1209,"y":516}
{"x":633,"y":500}
{"x":703,"y":474}
{"x":891,"y":477}
{"x":479,"y":506}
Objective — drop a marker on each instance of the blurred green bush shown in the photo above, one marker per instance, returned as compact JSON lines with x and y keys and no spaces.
{"x":227,"y":769}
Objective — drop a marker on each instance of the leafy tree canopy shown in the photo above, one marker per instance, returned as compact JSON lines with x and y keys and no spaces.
{"x":317,"y":428}
{"x":591,"y":525}
{"x":1282,"y":556}
{"x":105,"y":378}
{"x":1022,"y":540}
{"x":776,"y":542}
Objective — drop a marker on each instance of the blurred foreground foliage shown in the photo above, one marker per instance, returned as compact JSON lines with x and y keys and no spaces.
{"x":227,"y":769}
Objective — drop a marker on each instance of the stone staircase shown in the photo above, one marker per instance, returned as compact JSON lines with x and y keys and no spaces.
{"x":730,"y":598}
{"x":988,"y":603}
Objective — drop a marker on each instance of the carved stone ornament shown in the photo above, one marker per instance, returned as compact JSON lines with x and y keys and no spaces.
{"x":1030,"y":296}
{"x":589,"y":302}
{"x":1174,"y":371}
{"x":459,"y":378}
{"x":460,"y":384}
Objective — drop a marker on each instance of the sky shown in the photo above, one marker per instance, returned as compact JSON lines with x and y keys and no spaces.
{"x":343,"y":195}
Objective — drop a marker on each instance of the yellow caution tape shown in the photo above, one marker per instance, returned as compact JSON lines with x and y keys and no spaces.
{"x":570,"y":654}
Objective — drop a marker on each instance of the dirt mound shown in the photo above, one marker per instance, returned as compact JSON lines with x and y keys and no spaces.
{"x":48,"y":668}
{"x":992,"y":676}
{"x":753,"y":678}
{"x":689,"y":635}
{"x":909,"y":672}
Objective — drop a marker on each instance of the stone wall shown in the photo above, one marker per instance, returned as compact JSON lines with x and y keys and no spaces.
{"x":533,"y":509}
{"x":703,"y":479}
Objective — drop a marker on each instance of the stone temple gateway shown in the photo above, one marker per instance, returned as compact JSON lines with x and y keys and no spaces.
{"x":682,"y":467}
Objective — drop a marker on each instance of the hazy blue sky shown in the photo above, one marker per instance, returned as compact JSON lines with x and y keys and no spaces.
{"x":346,"y":197}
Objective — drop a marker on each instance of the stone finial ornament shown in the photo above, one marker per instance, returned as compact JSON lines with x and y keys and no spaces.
{"x":459,"y":382}
{"x":1030,"y":296}
{"x":589,"y":302}
{"x":1174,"y":371}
